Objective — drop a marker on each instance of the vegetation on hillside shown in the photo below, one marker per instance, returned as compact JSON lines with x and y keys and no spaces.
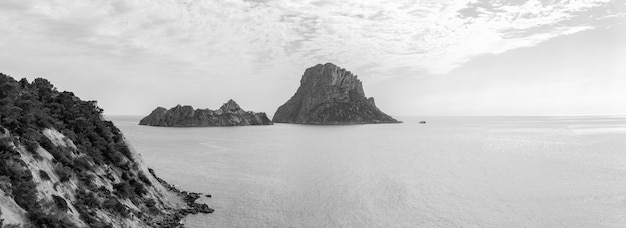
{"x":26,"y":110}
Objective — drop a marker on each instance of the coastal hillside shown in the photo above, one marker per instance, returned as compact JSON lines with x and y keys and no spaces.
{"x":230,"y":114}
{"x":63,"y":165}
{"x":329,"y":94}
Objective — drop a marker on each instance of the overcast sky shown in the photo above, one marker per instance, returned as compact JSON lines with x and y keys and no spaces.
{"x":421,"y":57}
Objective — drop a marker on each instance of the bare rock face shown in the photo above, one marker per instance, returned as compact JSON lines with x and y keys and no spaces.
{"x":63,"y":165}
{"x":230,"y":114}
{"x":330,"y":95}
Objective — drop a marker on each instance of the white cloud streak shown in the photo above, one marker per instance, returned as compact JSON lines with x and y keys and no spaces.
{"x":255,"y":38}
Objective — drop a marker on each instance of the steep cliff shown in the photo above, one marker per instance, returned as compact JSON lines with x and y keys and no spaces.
{"x":230,"y":114}
{"x":63,"y":165}
{"x":330,"y":95}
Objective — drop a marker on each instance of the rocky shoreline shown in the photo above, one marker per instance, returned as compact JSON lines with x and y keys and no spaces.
{"x":190,"y":198}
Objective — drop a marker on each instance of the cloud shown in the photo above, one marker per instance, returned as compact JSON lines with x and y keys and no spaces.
{"x":257,"y":37}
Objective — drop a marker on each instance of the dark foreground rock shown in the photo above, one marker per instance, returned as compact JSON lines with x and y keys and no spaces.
{"x":330,"y":95}
{"x":230,"y":114}
{"x":63,"y":165}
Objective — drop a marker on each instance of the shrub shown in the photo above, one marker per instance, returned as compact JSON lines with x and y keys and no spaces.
{"x":95,"y":154}
{"x":123,"y":148}
{"x":84,"y":163}
{"x":144,"y":179}
{"x":127,"y":176}
{"x":138,"y":187}
{"x":5,"y":146}
{"x":102,"y":191}
{"x":44,"y":175}
{"x":115,"y":205}
{"x":60,"y":202}
{"x":124,"y":189}
{"x":41,"y":219}
{"x":25,"y":195}
{"x":150,"y":203}
{"x":88,"y":199}
{"x":87,"y":179}
{"x":31,"y":145}
{"x":88,"y":215}
{"x":46,"y":143}
{"x":64,"y":172}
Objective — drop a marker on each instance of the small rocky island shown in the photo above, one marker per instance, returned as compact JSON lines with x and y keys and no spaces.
{"x":330,"y":95}
{"x":230,"y":114}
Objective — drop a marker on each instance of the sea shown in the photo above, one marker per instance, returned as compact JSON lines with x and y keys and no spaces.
{"x":543,"y":171}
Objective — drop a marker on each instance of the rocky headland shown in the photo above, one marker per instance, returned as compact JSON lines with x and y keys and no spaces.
{"x":63,"y":165}
{"x":230,"y":114}
{"x":330,"y":95}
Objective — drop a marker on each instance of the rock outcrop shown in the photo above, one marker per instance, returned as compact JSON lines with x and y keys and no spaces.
{"x":330,"y":95}
{"x":63,"y":165}
{"x":230,"y":114}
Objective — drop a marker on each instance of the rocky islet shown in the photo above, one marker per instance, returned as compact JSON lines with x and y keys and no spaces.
{"x":230,"y":114}
{"x":330,"y":95}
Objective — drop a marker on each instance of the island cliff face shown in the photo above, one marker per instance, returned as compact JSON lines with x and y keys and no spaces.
{"x":63,"y":165}
{"x":330,"y":95}
{"x":230,"y":114}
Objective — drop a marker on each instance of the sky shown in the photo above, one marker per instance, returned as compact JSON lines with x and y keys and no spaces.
{"x":416,"y":57}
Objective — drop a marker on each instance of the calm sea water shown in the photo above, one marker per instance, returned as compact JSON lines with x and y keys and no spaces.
{"x":450,"y":172}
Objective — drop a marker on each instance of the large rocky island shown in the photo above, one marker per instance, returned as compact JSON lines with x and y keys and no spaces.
{"x":63,"y":165}
{"x":330,"y":95}
{"x":230,"y":114}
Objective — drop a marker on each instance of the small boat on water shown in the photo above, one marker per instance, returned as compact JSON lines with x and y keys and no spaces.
{"x":422,"y":122}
